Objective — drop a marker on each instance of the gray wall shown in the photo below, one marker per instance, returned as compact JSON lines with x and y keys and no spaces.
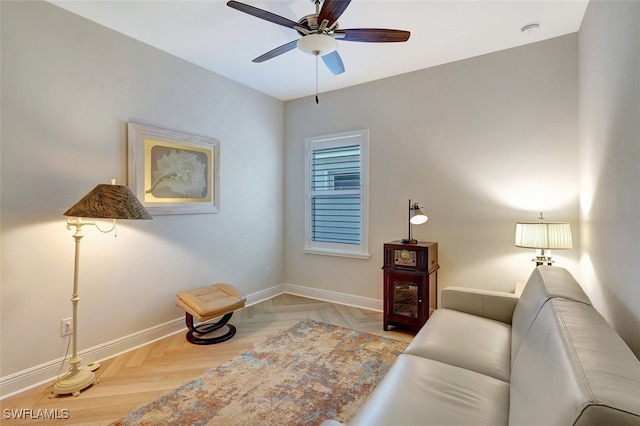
{"x":69,"y":87}
{"x":480,"y":144}
{"x":610,"y":162}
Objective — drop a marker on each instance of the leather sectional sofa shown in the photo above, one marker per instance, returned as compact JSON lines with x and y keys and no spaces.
{"x":489,"y":358}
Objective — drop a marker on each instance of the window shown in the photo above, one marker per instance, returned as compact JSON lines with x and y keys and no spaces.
{"x":336,"y":202}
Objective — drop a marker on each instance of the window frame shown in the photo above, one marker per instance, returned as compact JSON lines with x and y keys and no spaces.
{"x":345,"y":139}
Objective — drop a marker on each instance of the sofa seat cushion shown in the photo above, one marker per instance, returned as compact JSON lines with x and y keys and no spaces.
{"x":573,"y":369}
{"x":467,"y":341}
{"x":418,"y":390}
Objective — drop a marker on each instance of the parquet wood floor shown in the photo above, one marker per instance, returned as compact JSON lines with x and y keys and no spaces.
{"x":140,"y":376}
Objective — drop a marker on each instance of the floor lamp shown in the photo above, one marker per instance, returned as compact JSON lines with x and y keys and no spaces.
{"x":543,"y":236}
{"x":104,"y":202}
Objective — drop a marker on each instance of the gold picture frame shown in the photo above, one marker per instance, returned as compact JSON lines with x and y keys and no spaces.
{"x":172,"y":172}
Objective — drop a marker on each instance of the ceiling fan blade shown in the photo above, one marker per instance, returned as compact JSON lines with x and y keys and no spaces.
{"x":277,"y":51}
{"x":372,"y":35}
{"x":333,"y":61}
{"x":331,"y":10}
{"x":262,"y":14}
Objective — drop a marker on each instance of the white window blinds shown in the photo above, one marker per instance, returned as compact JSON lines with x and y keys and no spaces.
{"x":335,"y":198}
{"x":336,"y":183}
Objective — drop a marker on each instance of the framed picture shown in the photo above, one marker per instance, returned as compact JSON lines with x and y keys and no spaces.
{"x":172,"y":172}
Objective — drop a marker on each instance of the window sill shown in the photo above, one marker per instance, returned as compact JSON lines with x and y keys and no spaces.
{"x":339,"y":253}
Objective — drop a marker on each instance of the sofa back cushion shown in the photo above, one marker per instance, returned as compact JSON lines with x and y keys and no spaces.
{"x":545,"y":283}
{"x":573,"y":369}
{"x":467,"y":341}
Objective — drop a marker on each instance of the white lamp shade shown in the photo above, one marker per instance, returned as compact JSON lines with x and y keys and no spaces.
{"x":418,"y":217}
{"x":317,"y":44}
{"x":544,"y":235}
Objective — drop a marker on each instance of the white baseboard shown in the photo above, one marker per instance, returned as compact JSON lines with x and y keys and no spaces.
{"x":263,"y":295}
{"x":26,"y":379}
{"x":334,"y":297}
{"x":48,"y":371}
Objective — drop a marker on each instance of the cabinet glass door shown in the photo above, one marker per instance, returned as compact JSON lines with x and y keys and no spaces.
{"x":405,"y":299}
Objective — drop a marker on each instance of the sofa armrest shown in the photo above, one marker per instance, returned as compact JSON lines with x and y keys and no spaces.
{"x":494,"y":305}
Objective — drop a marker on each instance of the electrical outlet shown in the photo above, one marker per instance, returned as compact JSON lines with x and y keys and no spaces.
{"x":66,"y":327}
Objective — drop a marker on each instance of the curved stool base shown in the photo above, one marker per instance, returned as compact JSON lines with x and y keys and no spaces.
{"x":205,"y":304}
{"x":202,"y":329}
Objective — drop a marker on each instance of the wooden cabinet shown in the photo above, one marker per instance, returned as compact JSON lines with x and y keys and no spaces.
{"x":410,"y":283}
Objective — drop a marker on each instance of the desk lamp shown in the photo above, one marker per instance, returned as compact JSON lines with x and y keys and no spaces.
{"x":416,"y":217}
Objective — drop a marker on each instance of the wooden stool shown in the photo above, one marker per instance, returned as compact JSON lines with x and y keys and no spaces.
{"x":206,"y":303}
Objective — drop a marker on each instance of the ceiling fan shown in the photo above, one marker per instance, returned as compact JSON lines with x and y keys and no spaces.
{"x":319,"y":32}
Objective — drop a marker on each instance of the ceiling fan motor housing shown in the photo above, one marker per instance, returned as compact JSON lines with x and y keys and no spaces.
{"x":309,"y":25}
{"x":310,"y":22}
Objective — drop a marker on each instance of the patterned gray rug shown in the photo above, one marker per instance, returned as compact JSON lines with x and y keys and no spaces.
{"x":303,"y":376}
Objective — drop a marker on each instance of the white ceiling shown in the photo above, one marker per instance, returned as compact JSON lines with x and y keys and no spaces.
{"x":224,"y":40}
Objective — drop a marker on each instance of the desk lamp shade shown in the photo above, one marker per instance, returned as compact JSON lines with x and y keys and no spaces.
{"x":416,"y":217}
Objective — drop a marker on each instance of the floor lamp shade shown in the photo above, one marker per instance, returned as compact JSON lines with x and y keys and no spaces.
{"x":543,"y":237}
{"x":109,"y":202}
{"x":103,"y":202}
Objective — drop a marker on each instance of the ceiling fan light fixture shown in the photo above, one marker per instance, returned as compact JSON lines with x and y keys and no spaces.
{"x":317,"y":44}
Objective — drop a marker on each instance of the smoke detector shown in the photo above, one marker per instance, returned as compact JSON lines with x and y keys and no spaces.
{"x":530,"y":28}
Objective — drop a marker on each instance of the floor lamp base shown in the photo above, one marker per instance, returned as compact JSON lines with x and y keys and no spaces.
{"x":73,"y":383}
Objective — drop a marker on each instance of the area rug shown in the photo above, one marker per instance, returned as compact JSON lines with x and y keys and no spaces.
{"x":303,"y":376}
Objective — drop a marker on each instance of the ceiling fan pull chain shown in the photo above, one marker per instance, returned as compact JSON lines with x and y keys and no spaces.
{"x":317,"y":101}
